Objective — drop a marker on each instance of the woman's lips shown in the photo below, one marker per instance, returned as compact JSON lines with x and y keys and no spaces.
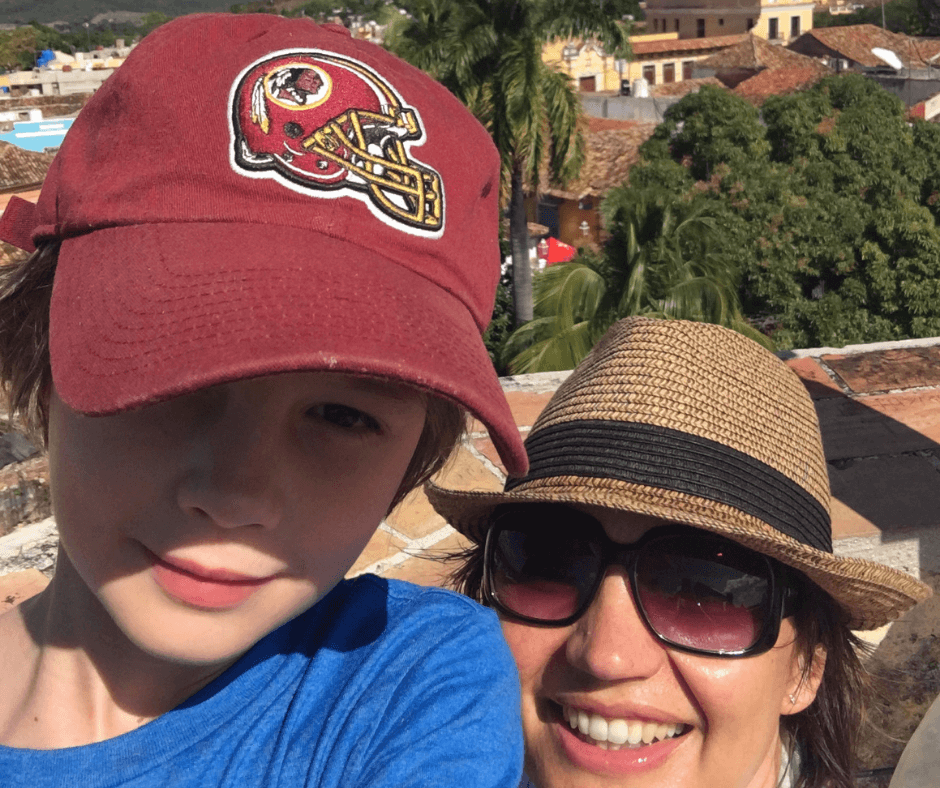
{"x":616,"y":732}
{"x":195,"y":585}
{"x":602,"y":752}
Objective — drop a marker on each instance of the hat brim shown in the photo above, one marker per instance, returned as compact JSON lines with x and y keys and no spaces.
{"x":870,"y":593}
{"x":146,"y":312}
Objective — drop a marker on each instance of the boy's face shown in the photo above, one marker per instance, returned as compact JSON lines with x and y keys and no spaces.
{"x":205,"y":522}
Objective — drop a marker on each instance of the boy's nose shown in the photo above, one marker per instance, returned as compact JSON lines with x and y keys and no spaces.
{"x":233,"y":479}
{"x":610,"y":641}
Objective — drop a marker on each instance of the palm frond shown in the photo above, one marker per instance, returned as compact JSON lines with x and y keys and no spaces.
{"x":585,"y":19}
{"x":559,"y":351}
{"x":570,"y":291}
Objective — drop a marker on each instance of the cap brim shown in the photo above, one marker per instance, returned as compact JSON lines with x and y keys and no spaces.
{"x":143,"y":313}
{"x":872,"y":594}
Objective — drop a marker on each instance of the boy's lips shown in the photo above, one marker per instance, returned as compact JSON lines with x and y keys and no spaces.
{"x":199,"y":586}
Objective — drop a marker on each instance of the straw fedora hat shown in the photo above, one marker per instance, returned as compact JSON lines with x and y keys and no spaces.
{"x":694,"y":423}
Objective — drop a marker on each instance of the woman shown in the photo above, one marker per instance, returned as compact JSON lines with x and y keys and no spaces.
{"x":665,"y":577}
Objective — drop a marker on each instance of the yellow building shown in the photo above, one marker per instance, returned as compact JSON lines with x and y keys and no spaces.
{"x":586,"y":63}
{"x":658,"y":58}
{"x":774,"y":20}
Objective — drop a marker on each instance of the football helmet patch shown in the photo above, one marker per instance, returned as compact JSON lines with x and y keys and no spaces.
{"x":330,"y":124}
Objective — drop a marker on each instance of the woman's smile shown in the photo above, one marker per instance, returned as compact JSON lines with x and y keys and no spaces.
{"x":614,"y":733}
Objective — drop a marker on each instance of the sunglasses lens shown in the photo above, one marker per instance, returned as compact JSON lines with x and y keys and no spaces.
{"x":704,"y":594}
{"x":541,"y":578}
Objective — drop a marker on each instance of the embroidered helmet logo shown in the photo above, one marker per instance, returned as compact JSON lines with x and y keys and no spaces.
{"x":323,"y":122}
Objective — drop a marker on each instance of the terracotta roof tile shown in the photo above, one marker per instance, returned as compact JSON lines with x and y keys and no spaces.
{"x":755,"y":53}
{"x":856,"y":42}
{"x":778,"y":81}
{"x":612,"y":149}
{"x":21,"y":168}
{"x":685,"y":45}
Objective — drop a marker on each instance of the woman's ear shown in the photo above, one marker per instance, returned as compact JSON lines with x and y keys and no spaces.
{"x":805,"y":682}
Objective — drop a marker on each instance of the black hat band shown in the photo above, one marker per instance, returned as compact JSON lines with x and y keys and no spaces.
{"x":660,"y":457}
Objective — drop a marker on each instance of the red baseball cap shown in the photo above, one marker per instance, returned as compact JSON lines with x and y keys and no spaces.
{"x":250,"y":194}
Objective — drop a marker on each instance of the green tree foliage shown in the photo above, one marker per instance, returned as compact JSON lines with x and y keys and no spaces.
{"x":489,"y":54}
{"x":831,"y":216}
{"x":661,"y":261}
{"x":500,"y":326}
{"x":622,"y":9}
{"x":690,"y":135}
{"x":929,"y":16}
{"x":19,"y":48}
{"x":324,"y":10}
{"x":152,"y":21}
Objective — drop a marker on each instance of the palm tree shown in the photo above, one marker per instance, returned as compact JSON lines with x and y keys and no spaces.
{"x":489,"y":54}
{"x":659,"y":262}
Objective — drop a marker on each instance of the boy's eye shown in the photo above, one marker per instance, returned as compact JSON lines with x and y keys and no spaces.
{"x":346,"y":417}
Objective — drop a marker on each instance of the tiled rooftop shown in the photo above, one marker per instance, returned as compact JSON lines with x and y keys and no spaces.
{"x":856,"y":42}
{"x":650,"y":48}
{"x":612,"y":149}
{"x":21,"y":168}
{"x":779,"y":81}
{"x":756,"y":53}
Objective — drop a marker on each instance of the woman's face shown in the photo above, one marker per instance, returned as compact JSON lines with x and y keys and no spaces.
{"x":708,"y":721}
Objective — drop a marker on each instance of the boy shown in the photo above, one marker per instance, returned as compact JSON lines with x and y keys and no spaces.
{"x":264,"y":257}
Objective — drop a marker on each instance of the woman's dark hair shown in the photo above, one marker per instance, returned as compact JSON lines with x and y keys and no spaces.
{"x":26,"y":374}
{"x":824,"y":736}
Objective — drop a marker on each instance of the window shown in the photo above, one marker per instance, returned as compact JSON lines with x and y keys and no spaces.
{"x":677,"y":25}
{"x":649,"y":74}
{"x":548,"y":214}
{"x":669,"y":73}
{"x":655,"y":25}
{"x":773,"y":31}
{"x":794,"y":26}
{"x":687,"y":66}
{"x":721,"y":23}
{"x":700,"y":28}
{"x":750,"y":24}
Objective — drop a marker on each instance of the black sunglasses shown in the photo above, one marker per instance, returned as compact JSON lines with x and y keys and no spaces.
{"x":697,"y":592}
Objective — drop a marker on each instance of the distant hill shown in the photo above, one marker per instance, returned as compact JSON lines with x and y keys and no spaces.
{"x":78,"y":11}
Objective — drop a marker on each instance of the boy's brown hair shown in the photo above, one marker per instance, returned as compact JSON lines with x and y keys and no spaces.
{"x":26,"y":374}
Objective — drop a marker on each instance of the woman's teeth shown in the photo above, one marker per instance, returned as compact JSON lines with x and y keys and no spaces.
{"x":617,"y":733}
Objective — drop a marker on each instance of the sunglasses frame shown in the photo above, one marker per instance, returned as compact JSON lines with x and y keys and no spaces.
{"x":782,"y":602}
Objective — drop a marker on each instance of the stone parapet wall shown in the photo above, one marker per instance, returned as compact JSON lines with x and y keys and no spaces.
{"x":24,"y":493}
{"x":32,"y":546}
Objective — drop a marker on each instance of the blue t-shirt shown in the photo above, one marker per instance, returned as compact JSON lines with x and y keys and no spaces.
{"x":381,"y":684}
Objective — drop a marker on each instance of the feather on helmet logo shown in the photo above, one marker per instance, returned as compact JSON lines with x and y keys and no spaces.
{"x":329,"y":125}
